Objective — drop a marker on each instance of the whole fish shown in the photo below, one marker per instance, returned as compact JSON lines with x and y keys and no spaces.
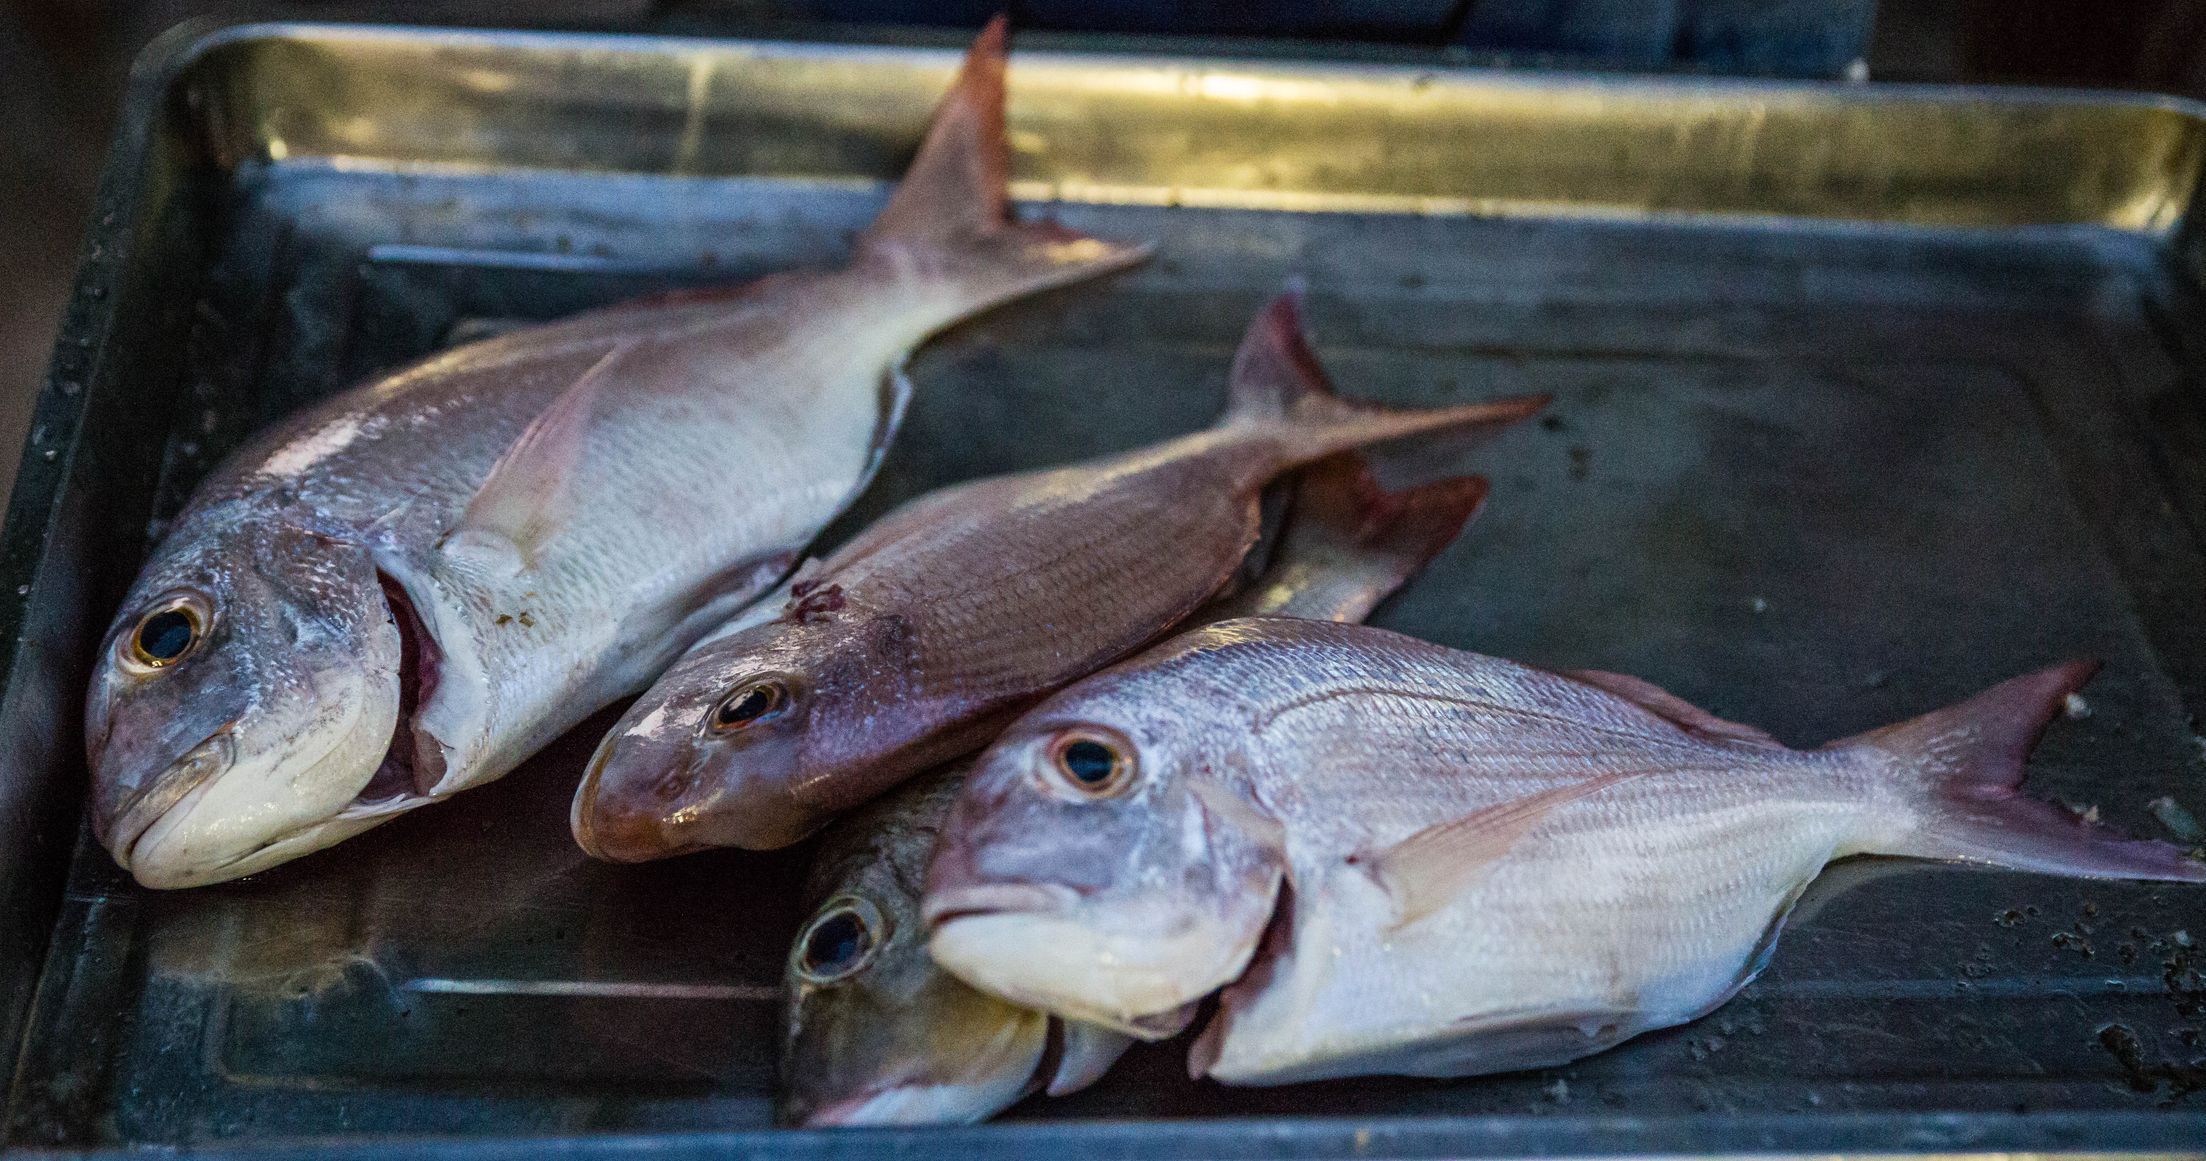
{"x":406,"y":590}
{"x":919,"y":639}
{"x":876,"y":1033}
{"x":1464,"y":865}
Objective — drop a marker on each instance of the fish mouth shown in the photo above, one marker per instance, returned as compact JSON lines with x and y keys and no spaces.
{"x":145,"y":835}
{"x":157,"y":797}
{"x":990,"y":1075}
{"x":980,"y":900}
{"x":905,"y":1104}
{"x":620,"y":837}
{"x":1021,"y":944}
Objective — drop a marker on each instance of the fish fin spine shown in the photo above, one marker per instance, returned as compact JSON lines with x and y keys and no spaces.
{"x":948,"y":221}
{"x":1278,"y":386}
{"x":1968,"y":760}
{"x":1672,"y":708}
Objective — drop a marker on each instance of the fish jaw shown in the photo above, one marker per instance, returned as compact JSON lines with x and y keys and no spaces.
{"x":1118,"y":978}
{"x":258,"y":810}
{"x":1115,"y":908}
{"x":918,"y":1104}
{"x":669,"y":778}
{"x":619,"y":826}
{"x":963,"y":1063}
{"x":270,"y":727}
{"x":661,"y":783}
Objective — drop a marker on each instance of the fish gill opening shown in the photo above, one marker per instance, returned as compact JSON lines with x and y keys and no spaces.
{"x":411,"y":763}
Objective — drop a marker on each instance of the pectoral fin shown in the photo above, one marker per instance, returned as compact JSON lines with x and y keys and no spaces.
{"x":1664,"y":704}
{"x":1424,"y":871}
{"x":529,"y":493}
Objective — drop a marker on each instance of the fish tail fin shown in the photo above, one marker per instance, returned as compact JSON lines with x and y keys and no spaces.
{"x":948,"y":222}
{"x":1350,"y":543}
{"x":1969,"y":760}
{"x":1278,"y":384}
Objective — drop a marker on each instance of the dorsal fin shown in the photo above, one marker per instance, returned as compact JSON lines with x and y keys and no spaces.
{"x":528,"y":494}
{"x":1664,"y":704}
{"x":1422,"y":872}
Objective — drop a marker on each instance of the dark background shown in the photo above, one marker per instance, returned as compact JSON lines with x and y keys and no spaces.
{"x":63,"y":64}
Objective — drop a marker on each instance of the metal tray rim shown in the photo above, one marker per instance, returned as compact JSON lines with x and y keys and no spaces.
{"x":189,"y":42}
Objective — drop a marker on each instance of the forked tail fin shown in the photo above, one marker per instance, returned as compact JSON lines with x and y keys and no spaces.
{"x":1278,"y":384}
{"x":1349,"y":543}
{"x":1969,"y":759}
{"x":949,"y":219}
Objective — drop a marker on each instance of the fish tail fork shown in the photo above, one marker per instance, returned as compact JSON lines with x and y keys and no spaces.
{"x":1968,"y":760}
{"x":948,"y":225}
{"x":1278,"y":386}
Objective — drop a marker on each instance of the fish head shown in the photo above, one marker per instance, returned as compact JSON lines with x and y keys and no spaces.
{"x":749,"y":741}
{"x":876,"y":1033}
{"x":1105,"y":861}
{"x":243,"y":699}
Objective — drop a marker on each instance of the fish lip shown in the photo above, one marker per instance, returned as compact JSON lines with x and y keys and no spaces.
{"x":848,"y":1111}
{"x":839,"y":1114}
{"x":582,"y":816}
{"x":194,"y":768}
{"x":579,"y":814}
{"x":942,"y":907}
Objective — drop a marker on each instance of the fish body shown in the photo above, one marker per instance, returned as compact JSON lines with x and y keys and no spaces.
{"x":1395,"y":857}
{"x":406,"y":590}
{"x":920,"y":638}
{"x":874,"y":1031}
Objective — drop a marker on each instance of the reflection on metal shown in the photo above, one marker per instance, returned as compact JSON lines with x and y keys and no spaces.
{"x":600,"y":990}
{"x":1152,"y":131}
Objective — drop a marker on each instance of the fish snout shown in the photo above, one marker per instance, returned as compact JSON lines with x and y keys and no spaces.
{"x":122,"y":817}
{"x":612,"y":823}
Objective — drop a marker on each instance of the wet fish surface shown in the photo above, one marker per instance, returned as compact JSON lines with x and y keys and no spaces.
{"x":874,"y":1031}
{"x":1395,"y":857}
{"x":405,"y":591}
{"x":919,"y":639}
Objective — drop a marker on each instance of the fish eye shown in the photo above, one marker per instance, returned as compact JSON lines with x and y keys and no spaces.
{"x":748,"y":704}
{"x":1092,"y":764}
{"x":839,"y":941}
{"x":167,"y":634}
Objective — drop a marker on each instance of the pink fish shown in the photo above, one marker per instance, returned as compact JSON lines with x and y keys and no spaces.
{"x":919,"y":639}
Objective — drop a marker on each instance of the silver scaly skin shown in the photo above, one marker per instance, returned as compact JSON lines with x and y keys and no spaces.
{"x":1395,"y":857}
{"x":874,"y":1031}
{"x":405,"y":591}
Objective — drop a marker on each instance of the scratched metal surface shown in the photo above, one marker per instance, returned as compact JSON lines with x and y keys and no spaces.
{"x":1814,"y":477}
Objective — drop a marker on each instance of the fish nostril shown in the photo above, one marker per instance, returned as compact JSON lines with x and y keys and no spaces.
{"x":671,"y":785}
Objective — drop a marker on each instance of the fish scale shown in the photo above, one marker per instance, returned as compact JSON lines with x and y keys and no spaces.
{"x":480,"y":550}
{"x":891,"y":1038}
{"x":917,"y":640}
{"x":1464,"y":864}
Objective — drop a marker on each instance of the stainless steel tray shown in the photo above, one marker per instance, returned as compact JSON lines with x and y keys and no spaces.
{"x":1867,"y":397}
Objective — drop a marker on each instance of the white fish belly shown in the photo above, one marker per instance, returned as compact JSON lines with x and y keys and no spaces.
{"x":1592,"y":929}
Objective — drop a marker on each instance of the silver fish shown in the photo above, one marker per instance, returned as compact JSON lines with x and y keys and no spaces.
{"x":1464,"y":864}
{"x":875,"y":1033}
{"x":920,"y":638}
{"x":405,"y":591}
